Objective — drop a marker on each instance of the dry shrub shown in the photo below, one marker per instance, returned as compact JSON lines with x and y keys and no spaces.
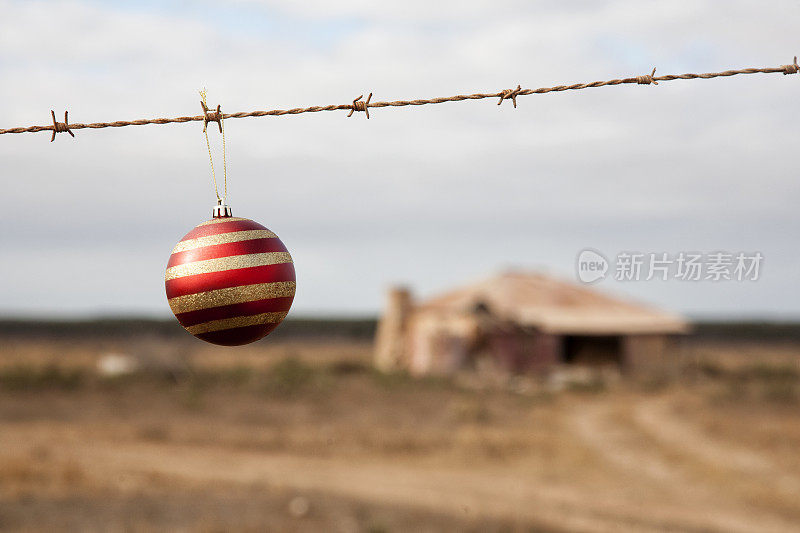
{"x":289,"y":376}
{"x":22,"y":377}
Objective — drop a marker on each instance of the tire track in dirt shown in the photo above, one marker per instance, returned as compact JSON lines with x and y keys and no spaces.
{"x":659,"y":421}
{"x":650,"y":466}
{"x":617,"y":445}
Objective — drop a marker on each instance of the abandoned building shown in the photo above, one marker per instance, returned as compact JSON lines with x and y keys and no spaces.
{"x":519,"y":323}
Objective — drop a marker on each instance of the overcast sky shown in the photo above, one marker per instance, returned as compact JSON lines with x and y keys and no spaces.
{"x":429,"y":196}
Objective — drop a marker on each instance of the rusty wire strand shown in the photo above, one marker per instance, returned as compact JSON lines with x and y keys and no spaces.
{"x":361,"y":105}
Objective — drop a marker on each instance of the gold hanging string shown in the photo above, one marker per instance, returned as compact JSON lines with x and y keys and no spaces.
{"x":224,"y":159}
{"x":215,"y":116}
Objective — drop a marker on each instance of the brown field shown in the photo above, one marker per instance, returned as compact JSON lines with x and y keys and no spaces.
{"x":304,"y":436}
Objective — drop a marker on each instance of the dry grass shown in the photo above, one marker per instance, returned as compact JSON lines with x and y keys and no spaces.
{"x":306,"y":436}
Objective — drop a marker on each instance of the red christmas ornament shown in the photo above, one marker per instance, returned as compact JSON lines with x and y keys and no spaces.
{"x":230,"y":281}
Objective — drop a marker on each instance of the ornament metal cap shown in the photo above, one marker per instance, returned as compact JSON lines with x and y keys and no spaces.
{"x":221,"y":210}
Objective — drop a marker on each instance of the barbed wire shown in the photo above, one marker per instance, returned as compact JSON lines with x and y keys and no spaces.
{"x":365,"y":105}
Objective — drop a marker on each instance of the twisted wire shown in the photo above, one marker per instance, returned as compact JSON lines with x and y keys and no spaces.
{"x":364,"y":106}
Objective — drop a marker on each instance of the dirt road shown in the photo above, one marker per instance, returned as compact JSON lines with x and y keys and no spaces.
{"x":588,"y":463}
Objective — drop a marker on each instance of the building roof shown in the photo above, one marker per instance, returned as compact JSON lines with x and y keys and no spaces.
{"x":554,"y":306}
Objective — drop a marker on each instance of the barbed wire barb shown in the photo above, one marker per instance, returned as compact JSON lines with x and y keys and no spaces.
{"x":359,"y":105}
{"x":59,"y":127}
{"x":364,"y":105}
{"x":211,"y":116}
{"x":510,"y":94}
{"x":791,"y":69}
{"x":647,"y":79}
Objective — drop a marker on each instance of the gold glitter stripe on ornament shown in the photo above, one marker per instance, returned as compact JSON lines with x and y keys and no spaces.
{"x":223,"y":238}
{"x":220,"y":220}
{"x":237,"y":322}
{"x":231,"y":295}
{"x":227,"y":263}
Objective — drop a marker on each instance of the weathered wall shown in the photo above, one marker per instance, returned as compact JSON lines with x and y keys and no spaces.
{"x":547,"y":352}
{"x":649,"y":355}
{"x":439,"y":345}
{"x":390,"y":338}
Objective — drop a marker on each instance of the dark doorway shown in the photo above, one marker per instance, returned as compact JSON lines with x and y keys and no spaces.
{"x":594,"y":350}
